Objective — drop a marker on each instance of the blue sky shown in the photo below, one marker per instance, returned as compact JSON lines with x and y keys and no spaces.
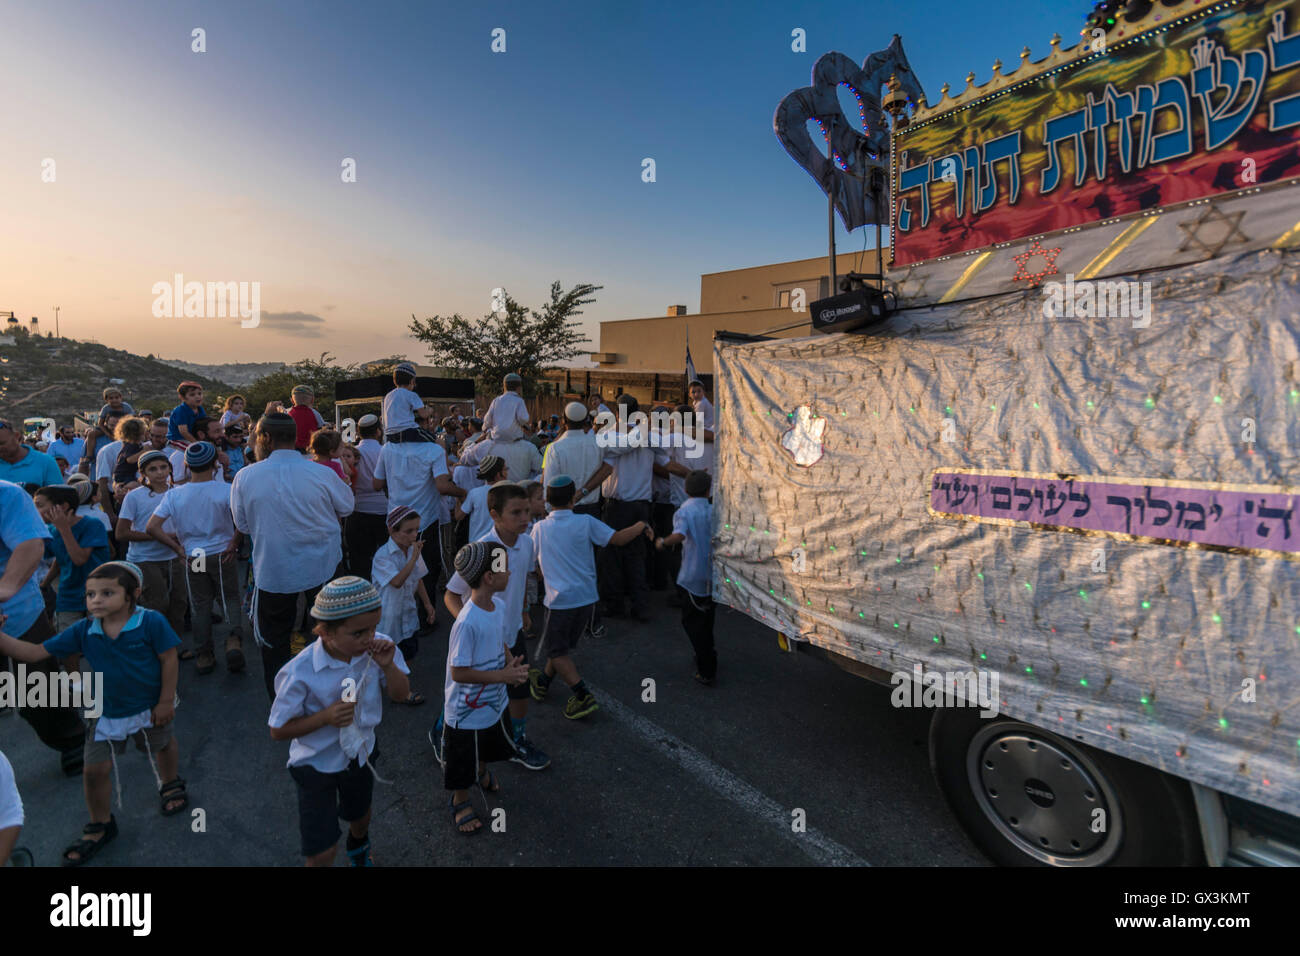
{"x":474,"y":169}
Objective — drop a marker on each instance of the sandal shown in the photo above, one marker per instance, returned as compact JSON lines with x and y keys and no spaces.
{"x":171,"y":792}
{"x":361,"y":855}
{"x":491,"y":786}
{"x":461,"y":821}
{"x":86,"y":849}
{"x":414,"y":699}
{"x":188,"y":654}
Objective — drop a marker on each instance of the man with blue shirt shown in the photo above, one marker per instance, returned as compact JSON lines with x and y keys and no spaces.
{"x":22,"y":546}
{"x":290,"y":506}
{"x":67,"y":448}
{"x":23,"y":465}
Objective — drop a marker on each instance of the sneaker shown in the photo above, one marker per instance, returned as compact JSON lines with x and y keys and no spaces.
{"x":435,"y":741}
{"x":577,"y":708}
{"x":206,"y":661}
{"x":529,"y":755}
{"x":360,"y":856}
{"x":234,"y":654}
{"x":537,"y":686}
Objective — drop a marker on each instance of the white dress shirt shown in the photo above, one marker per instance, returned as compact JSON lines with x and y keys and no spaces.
{"x":369,"y":501}
{"x":106,"y":460}
{"x":576,"y":454}
{"x":411,"y":470}
{"x":633,"y":462}
{"x":291,"y":506}
{"x":507,"y":418}
{"x":522,"y":458}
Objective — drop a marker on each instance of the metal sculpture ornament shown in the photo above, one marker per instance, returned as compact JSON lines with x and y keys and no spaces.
{"x":855,"y":153}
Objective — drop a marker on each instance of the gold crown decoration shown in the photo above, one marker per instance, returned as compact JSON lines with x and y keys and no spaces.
{"x":1157,"y":18}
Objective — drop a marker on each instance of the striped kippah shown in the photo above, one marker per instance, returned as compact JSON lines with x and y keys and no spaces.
{"x":133,"y":568}
{"x":84,"y":489}
{"x":200,"y":453}
{"x":487,"y":464}
{"x":405,"y":367}
{"x":398,"y":515}
{"x":345,"y":597}
{"x":473,"y":559}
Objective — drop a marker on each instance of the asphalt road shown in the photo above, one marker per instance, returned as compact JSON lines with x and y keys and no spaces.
{"x":699,"y":776}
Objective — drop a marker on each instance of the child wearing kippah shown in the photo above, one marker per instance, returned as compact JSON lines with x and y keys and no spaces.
{"x":479,"y":666}
{"x":398,"y":572}
{"x":328,"y":702}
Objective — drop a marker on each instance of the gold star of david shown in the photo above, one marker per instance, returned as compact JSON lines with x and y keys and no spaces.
{"x":1219,"y":230}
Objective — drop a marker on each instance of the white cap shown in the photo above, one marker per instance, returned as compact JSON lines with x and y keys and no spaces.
{"x":575,"y":412}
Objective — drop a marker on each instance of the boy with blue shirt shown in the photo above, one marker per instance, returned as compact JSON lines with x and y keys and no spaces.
{"x":693,"y":528}
{"x":134,"y":651}
{"x":181,"y":418}
{"x":77,"y":546}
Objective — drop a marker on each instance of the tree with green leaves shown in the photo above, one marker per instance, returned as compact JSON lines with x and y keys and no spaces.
{"x":320,"y":374}
{"x":514,"y":339}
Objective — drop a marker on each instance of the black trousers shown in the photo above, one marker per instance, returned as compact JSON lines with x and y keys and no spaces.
{"x":364,"y":534}
{"x":278,"y":616}
{"x":431,"y":551}
{"x":697,"y":619}
{"x":662,"y":570}
{"x":59,"y":728}
{"x":625,"y":566}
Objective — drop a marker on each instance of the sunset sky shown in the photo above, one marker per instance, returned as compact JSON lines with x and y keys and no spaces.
{"x":474,"y":169}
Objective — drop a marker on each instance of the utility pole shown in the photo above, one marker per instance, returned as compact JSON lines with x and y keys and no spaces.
{"x":56,"y":323}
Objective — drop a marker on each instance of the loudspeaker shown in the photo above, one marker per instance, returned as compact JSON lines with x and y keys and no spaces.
{"x":849,"y":311}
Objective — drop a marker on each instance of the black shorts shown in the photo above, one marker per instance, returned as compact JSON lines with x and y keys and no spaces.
{"x":463,"y":750}
{"x":519,"y":691}
{"x":326,"y":798}
{"x":563,"y":629}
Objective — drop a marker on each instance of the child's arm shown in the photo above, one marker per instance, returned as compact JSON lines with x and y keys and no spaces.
{"x":63,"y":522}
{"x":165,"y":709}
{"x":400,"y":578}
{"x":337,"y":714}
{"x":453,"y":601}
{"x":127,"y":533}
{"x":51,"y":576}
{"x":136,"y":457}
{"x":155,"y":530}
{"x":675,"y":468}
{"x":515,"y":672}
{"x":430,"y":611}
{"x":594,"y":479}
{"x":672,"y":540}
{"x":629,"y":534}
{"x":384,"y":653}
{"x":448,"y":487}
{"x":185,"y":433}
{"x":20,"y":650}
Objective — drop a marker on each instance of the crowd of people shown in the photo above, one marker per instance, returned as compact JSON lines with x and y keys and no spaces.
{"x":123,"y":552}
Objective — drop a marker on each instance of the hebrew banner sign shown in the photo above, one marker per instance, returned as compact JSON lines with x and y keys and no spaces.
{"x":1242,"y":519}
{"x":1205,"y":105}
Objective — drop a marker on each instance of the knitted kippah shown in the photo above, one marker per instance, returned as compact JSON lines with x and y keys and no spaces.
{"x":149,"y":456}
{"x":345,"y":597}
{"x":130,"y":566}
{"x":559,"y":481}
{"x":398,"y":515}
{"x":405,"y":367}
{"x":84,"y":489}
{"x":487,"y":464}
{"x":200,"y":453}
{"x":472,"y":560}
{"x":512,"y":378}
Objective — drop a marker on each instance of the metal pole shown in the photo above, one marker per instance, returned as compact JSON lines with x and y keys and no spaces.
{"x":830,"y":196}
{"x":56,"y":323}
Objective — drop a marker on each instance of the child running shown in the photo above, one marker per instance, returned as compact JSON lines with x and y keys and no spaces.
{"x":195,"y":521}
{"x":328,"y":703}
{"x":135,"y":650}
{"x":398,"y":572}
{"x":564,"y":541}
{"x":508,"y":505}
{"x":692,"y":527}
{"x":479,"y":662}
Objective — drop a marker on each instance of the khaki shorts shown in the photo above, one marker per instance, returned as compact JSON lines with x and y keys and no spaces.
{"x":98,"y":751}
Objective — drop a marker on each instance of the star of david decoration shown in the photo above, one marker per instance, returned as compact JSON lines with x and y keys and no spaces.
{"x":1022,"y":264}
{"x":1219,"y":230}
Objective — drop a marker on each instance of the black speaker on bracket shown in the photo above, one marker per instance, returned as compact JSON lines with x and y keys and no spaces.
{"x":862,"y":307}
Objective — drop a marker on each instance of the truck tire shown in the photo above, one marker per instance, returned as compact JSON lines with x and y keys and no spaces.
{"x":1028,"y":797}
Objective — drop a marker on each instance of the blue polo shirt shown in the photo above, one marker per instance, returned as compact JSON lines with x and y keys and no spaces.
{"x":89,"y":533}
{"x":36,"y":468}
{"x":129,"y":663}
{"x":182,"y":414}
{"x":19,"y":522}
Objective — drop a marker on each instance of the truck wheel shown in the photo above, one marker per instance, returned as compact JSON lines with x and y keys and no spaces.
{"x":1027,"y":797}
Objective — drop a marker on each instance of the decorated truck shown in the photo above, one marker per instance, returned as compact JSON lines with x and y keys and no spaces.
{"x":1052,"y":494}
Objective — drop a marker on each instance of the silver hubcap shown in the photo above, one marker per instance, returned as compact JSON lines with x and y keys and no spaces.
{"x":1043,"y":795}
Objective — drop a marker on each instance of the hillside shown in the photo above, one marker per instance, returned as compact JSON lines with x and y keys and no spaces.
{"x":61,"y":377}
{"x":239,"y":374}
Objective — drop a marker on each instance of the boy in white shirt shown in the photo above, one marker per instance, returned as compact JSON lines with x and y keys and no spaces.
{"x":479,"y":666}
{"x":400,"y":406}
{"x":564,"y":542}
{"x":201,"y":530}
{"x":491,"y":470}
{"x":398,"y":572}
{"x":507,"y":417}
{"x":693,"y":528}
{"x":328,"y":703}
